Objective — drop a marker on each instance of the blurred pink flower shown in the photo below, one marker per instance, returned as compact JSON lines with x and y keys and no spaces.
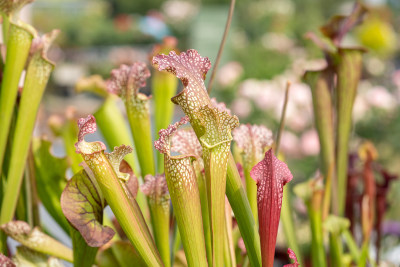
{"x":379,"y":97}
{"x":250,"y":88}
{"x":310,"y":143}
{"x":360,"y":108}
{"x":277,"y":41}
{"x":396,"y":78}
{"x":229,"y":73}
{"x":269,"y":97}
{"x":241,"y":107}
{"x":290,"y":144}
{"x":177,"y":11}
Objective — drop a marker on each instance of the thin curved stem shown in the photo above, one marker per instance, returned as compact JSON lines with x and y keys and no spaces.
{"x":222,"y":45}
{"x":282,"y":122}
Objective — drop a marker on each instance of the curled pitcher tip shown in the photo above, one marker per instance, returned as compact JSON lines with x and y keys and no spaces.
{"x":87,"y":126}
{"x":163,"y":144}
{"x":128,"y":79}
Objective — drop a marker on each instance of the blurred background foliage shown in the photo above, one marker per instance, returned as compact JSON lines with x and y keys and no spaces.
{"x":266,"y":47}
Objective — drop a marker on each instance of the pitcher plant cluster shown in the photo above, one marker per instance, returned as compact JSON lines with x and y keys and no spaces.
{"x":203,"y":191}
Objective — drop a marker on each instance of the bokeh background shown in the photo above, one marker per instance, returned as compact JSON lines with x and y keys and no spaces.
{"x":266,"y":47}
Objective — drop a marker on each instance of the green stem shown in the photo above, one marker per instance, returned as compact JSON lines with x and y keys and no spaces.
{"x":28,"y":193}
{"x":336,"y":250}
{"x":241,"y":208}
{"x":352,"y":245}
{"x":205,"y":213}
{"x":139,"y":120}
{"x":288,"y":227}
{"x":176,"y":244}
{"x":164,"y":86}
{"x":33,"y":189}
{"x":113,"y":127}
{"x":251,"y":189}
{"x":115,"y":131}
{"x":84,"y":255}
{"x":37,"y":75}
{"x":5,"y":27}
{"x":18,"y":45}
{"x":160,"y":221}
{"x":364,"y":254}
{"x":283,"y":117}
{"x":68,"y":135}
{"x":317,"y":242}
{"x":222,"y":45}
{"x":229,"y":247}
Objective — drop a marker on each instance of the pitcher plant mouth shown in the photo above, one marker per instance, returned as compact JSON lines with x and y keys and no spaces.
{"x":184,"y":191}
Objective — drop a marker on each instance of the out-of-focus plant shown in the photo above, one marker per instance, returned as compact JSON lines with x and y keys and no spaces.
{"x":344,"y":65}
{"x":206,"y":200}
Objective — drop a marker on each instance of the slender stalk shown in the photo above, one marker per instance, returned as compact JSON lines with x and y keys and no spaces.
{"x":18,"y":45}
{"x":176,"y":243}
{"x":5,"y":26}
{"x":164,"y":86}
{"x":251,"y":188}
{"x":205,"y":212}
{"x":155,"y":187}
{"x":336,"y":249}
{"x":38,"y":73}
{"x":33,"y":188}
{"x":141,"y":131}
{"x":160,"y":222}
{"x":69,"y":138}
{"x":222,"y":45}
{"x":288,"y":226}
{"x":364,"y":254}
{"x":28,"y":198}
{"x":240,"y":205}
{"x":229,"y":247}
{"x":318,"y":257}
{"x":282,"y":121}
{"x":114,"y":129}
{"x":352,"y":245}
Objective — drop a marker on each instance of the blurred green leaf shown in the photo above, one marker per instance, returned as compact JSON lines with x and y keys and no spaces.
{"x":121,"y":252}
{"x":50,"y":179}
{"x":30,"y":258}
